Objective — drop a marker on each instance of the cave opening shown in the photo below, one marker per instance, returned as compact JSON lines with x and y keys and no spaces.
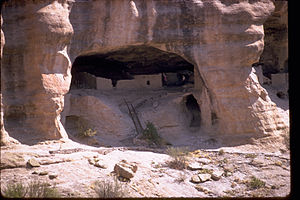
{"x":133,"y":67}
{"x":194,"y":110}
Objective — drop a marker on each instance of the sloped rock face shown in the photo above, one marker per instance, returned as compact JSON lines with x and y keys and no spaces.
{"x":222,"y":39}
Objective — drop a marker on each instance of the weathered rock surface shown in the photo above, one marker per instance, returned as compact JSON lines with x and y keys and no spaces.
{"x":33,"y":162}
{"x":12,"y":160}
{"x":222,"y":39}
{"x":275,"y":54}
{"x":125,"y":169}
{"x":194,"y":166}
{"x":216,"y":175}
{"x":153,"y":178}
{"x":35,"y":68}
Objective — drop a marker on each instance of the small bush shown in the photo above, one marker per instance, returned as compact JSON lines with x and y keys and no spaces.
{"x":35,"y":189}
{"x":221,"y":152}
{"x":179,"y":159}
{"x":14,"y":190}
{"x":108,"y":189}
{"x":150,"y":134}
{"x":41,"y":190}
{"x":84,"y":130}
{"x":256,"y":183}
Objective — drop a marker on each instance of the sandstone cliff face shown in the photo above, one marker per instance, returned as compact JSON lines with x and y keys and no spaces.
{"x":275,"y":54}
{"x":221,"y":38}
{"x":35,"y":67}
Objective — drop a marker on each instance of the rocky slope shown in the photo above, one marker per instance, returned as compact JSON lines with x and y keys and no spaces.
{"x":74,"y":169}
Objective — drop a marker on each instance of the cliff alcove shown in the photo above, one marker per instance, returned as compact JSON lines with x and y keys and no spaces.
{"x":192,"y":71}
{"x":145,"y":76}
{"x":145,"y":65}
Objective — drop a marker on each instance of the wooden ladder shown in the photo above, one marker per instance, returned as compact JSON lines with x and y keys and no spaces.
{"x":136,"y":121}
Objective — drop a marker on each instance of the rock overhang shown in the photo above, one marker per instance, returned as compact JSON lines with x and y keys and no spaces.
{"x":222,"y":39}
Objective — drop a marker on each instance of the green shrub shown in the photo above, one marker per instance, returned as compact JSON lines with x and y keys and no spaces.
{"x":109,"y":189}
{"x":41,"y":190}
{"x":256,"y":183}
{"x":221,"y":152}
{"x":35,"y":189}
{"x":151,"y":135}
{"x":179,"y":160}
{"x":14,"y":190}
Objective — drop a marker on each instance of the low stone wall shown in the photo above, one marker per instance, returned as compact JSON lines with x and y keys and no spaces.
{"x":139,"y":82}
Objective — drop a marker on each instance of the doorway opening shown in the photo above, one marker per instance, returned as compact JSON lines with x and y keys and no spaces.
{"x":194,"y":110}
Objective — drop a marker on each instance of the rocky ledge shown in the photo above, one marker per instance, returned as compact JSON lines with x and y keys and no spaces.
{"x":74,"y":170}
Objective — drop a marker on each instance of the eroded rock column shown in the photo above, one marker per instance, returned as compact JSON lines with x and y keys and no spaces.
{"x":35,"y":67}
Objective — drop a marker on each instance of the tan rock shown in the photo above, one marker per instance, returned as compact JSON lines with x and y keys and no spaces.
{"x":221,"y":39}
{"x":32,"y":162}
{"x":125,"y":169}
{"x":12,"y":160}
{"x":194,"y":166}
{"x":204,"y":177}
{"x":195,"y":179}
{"x":216,"y":175}
{"x":200,"y":178}
{"x":37,"y":58}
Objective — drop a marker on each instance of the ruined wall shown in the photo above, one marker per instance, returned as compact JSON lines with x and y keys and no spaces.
{"x":222,"y":38}
{"x":141,"y":82}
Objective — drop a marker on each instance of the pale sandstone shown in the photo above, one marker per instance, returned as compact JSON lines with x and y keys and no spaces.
{"x":221,"y":38}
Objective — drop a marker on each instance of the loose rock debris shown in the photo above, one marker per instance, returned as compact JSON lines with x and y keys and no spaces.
{"x":209,"y":173}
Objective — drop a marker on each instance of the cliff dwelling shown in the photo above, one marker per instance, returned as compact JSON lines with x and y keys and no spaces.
{"x":155,"y":82}
{"x":144,"y":99}
{"x":134,"y":67}
{"x":180,"y":65}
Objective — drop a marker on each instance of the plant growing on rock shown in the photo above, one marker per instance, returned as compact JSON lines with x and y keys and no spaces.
{"x":109,"y":189}
{"x":84,"y":130}
{"x":34,"y":189}
{"x":179,"y":157}
{"x":14,"y":190}
{"x":256,"y":183}
{"x":150,"y":134}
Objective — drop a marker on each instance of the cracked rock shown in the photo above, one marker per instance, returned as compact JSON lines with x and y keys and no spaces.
{"x":125,"y":169}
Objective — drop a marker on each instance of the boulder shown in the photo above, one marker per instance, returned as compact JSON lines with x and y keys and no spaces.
{"x":200,"y":178}
{"x":204,"y":177}
{"x":125,"y":169}
{"x":195,"y":179}
{"x":216,"y":175}
{"x":32,"y":162}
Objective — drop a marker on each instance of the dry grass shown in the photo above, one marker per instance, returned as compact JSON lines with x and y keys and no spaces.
{"x":34,"y":189}
{"x":109,"y":189}
{"x":84,"y":130}
{"x":179,"y":157}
